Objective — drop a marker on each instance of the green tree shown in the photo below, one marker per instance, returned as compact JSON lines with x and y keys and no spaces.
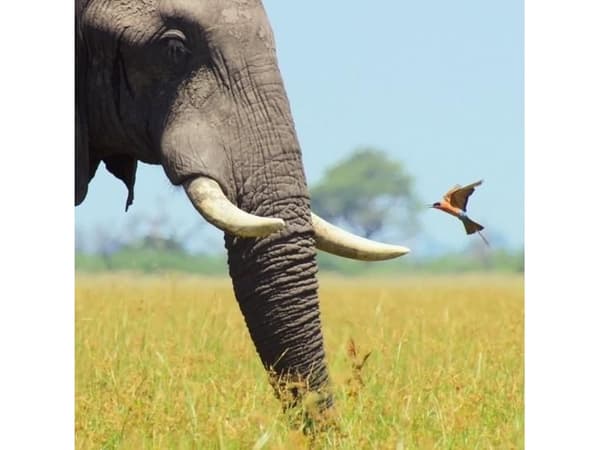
{"x":368,"y":192}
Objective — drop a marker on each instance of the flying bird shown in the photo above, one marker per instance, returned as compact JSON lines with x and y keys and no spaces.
{"x":455,"y":204}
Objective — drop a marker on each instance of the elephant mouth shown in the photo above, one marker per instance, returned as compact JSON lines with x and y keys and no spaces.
{"x":211,"y":202}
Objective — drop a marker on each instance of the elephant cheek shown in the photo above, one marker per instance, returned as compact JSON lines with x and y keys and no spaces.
{"x":190,"y":149}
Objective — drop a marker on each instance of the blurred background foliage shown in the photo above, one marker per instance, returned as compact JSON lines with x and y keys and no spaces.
{"x":368,"y":193}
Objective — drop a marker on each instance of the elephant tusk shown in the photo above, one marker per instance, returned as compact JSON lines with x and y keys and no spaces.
{"x":208,"y":198}
{"x":334,"y":240}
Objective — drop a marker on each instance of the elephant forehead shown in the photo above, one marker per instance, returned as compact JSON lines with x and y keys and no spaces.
{"x":213,"y":11}
{"x":236,"y":26}
{"x":242,"y":21}
{"x":134,"y":21}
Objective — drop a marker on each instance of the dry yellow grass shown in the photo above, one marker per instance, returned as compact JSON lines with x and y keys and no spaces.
{"x":166,"y":362}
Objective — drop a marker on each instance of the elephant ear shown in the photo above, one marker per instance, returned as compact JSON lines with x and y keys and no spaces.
{"x":86,"y":163}
{"x":83,"y":174}
{"x":123,"y":167}
{"x":82,"y":159}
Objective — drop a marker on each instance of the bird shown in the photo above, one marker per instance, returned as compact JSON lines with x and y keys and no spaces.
{"x":455,"y":204}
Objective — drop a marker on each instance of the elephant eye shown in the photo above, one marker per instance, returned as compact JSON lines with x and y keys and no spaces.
{"x":175,"y":46}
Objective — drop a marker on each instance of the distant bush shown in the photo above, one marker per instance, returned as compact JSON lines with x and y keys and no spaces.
{"x":497,"y":261}
{"x":171,"y":260}
{"x":152,"y":261}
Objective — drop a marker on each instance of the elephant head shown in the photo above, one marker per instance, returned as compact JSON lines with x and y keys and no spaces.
{"x":195,"y":86}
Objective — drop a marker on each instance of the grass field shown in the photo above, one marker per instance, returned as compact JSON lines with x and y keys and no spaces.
{"x":166,"y":362}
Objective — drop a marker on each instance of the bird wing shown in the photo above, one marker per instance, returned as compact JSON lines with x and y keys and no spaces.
{"x":448,"y":195}
{"x":459,"y":196}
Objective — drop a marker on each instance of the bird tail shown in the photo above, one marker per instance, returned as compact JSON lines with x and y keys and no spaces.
{"x":474,"y":227}
{"x":483,"y":237}
{"x":471,"y":227}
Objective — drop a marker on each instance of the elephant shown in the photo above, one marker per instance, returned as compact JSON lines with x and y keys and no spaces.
{"x":195,"y":87}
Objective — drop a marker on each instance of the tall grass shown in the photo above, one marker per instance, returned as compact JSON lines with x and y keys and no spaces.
{"x":166,"y":362}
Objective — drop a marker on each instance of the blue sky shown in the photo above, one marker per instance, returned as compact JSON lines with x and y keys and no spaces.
{"x":437,"y":85}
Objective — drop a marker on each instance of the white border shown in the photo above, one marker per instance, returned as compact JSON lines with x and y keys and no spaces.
{"x":562,"y":144}
{"x":36,"y":226}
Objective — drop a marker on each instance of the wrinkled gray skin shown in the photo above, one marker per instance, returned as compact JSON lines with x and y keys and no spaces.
{"x":195,"y":86}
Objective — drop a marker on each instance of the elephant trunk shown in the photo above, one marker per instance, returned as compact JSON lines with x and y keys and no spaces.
{"x":274,"y":276}
{"x":274,"y":280}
